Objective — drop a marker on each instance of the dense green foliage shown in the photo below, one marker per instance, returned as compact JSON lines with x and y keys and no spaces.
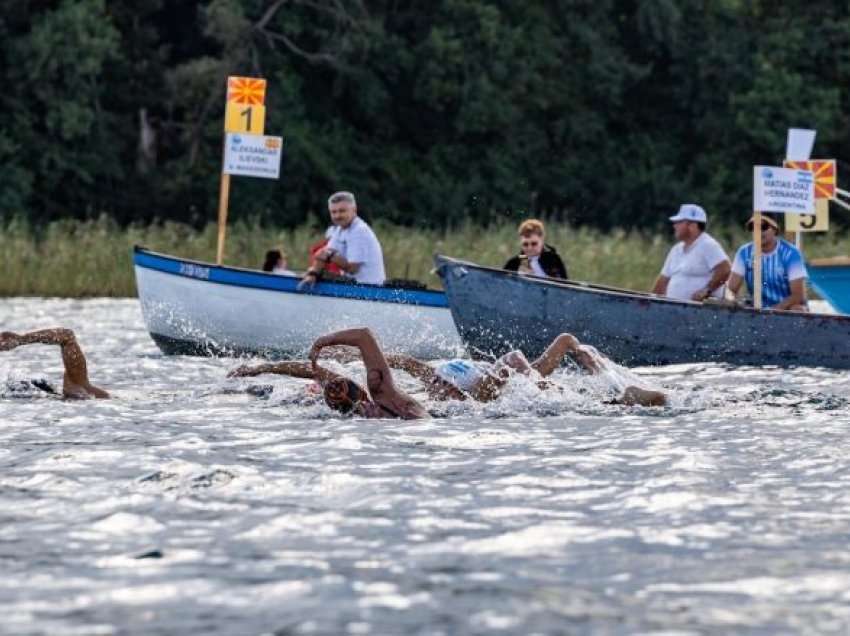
{"x":603,"y":112}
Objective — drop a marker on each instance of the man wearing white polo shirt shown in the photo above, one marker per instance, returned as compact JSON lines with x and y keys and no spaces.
{"x":353,"y":245}
{"x":696,"y":267}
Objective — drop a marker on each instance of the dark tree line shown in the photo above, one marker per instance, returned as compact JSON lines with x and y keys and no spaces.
{"x":608,"y":112}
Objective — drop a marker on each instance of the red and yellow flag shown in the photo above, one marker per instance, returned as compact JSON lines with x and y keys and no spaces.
{"x":824,"y":173}
{"x":246,"y":90}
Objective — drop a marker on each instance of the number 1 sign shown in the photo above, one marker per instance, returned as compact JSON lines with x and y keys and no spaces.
{"x":245,"y":110}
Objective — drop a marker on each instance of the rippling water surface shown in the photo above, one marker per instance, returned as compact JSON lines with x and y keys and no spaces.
{"x":195,"y":504}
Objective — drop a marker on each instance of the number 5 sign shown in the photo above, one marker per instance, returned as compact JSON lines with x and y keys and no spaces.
{"x":817,"y":222}
{"x":245,"y":111}
{"x":825,"y":186}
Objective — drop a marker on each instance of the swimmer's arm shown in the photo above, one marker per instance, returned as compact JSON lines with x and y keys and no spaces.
{"x":296,"y":369}
{"x":292,"y":368}
{"x":378,"y":374}
{"x":76,"y":380}
{"x":412,"y":366}
{"x":10,"y":340}
{"x":566,"y":345}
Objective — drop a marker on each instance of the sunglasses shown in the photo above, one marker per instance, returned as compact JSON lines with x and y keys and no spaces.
{"x":764,"y":226}
{"x":530,"y":243}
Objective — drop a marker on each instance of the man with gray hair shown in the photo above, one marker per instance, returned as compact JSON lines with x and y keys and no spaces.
{"x":353,"y":246}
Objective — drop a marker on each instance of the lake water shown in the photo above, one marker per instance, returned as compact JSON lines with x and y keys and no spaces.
{"x":195,"y":504}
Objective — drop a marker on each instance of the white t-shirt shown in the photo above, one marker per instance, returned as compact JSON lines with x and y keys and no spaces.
{"x":358,"y":244}
{"x":534,"y":263}
{"x":690,"y":270}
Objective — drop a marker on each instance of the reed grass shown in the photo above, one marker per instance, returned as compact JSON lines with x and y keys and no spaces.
{"x":93,"y":258}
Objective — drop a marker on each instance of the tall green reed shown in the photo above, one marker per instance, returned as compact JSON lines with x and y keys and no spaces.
{"x":93,"y":258}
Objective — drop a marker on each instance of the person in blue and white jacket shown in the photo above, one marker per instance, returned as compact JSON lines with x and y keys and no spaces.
{"x":783,"y":271}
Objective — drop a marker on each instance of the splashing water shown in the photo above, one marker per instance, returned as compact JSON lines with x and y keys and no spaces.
{"x":196,"y":504}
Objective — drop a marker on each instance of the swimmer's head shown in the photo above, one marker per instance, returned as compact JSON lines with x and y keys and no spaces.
{"x":343,"y":395}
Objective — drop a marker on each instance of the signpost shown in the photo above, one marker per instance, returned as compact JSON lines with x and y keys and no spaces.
{"x":783,"y":190}
{"x":252,"y":155}
{"x":246,"y":151}
{"x":825,"y":190}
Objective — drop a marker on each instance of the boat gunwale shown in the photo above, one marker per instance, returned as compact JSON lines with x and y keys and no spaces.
{"x":393,"y":295}
{"x":631,"y":295}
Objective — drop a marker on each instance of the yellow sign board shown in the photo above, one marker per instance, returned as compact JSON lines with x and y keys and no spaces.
{"x":817,"y":222}
{"x":243,"y":118}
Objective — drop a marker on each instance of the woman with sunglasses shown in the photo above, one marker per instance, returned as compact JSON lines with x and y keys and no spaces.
{"x":535,"y":256}
{"x":783,"y":271}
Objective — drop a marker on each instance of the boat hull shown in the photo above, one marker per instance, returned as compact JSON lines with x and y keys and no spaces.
{"x":201,"y":309}
{"x":832,"y":282}
{"x":497,"y":311}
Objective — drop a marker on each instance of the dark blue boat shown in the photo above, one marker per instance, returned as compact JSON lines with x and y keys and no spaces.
{"x":496,"y":311}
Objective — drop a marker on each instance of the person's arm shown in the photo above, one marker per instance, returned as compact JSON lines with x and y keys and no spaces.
{"x":378,"y":374}
{"x":76,"y":369}
{"x":666,"y":273}
{"x":719,"y":276}
{"x":558,"y":265}
{"x":512,"y":265}
{"x":412,"y":366}
{"x":344,"y":264}
{"x":736,"y":277}
{"x":566,"y":344}
{"x":292,"y":368}
{"x":797,"y":297}
{"x":734,"y":284}
{"x":660,"y":286}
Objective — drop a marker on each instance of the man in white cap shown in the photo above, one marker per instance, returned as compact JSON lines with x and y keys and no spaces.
{"x":696,"y":267}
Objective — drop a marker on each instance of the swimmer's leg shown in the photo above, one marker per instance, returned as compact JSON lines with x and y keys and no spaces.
{"x":635,"y":396}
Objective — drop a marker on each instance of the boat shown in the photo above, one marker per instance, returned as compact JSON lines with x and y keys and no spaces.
{"x":197,"y":308}
{"x":830,"y":278}
{"x":496,"y":311}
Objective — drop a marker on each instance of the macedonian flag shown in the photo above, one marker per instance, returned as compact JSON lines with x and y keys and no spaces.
{"x":246,"y":90}
{"x":824,"y":173}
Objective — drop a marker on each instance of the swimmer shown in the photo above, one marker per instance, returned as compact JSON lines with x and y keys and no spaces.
{"x":75,"y":382}
{"x":457,"y":379}
{"x":382,"y":400}
{"x":462,"y":379}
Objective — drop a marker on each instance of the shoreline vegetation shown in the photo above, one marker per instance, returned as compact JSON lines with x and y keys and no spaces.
{"x":78,"y":259}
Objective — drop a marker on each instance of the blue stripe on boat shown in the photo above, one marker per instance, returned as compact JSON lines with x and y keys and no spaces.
{"x":260,"y":280}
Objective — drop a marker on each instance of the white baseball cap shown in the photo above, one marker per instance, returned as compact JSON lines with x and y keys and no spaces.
{"x":690,"y":212}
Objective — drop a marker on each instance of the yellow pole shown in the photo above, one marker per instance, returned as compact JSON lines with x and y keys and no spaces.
{"x":223,"y":197}
{"x":757,"y":259}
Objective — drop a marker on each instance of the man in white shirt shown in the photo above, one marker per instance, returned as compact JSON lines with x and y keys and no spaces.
{"x":353,"y":245}
{"x":696,"y":267}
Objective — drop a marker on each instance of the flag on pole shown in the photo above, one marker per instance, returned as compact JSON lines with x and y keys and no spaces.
{"x":246,"y":90}
{"x":824,"y":173}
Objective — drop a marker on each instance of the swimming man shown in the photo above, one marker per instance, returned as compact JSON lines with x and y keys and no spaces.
{"x":75,"y":382}
{"x":462,"y":379}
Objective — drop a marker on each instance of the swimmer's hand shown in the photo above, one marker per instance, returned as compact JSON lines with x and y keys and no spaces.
{"x":9,"y":340}
{"x":243,"y":371}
